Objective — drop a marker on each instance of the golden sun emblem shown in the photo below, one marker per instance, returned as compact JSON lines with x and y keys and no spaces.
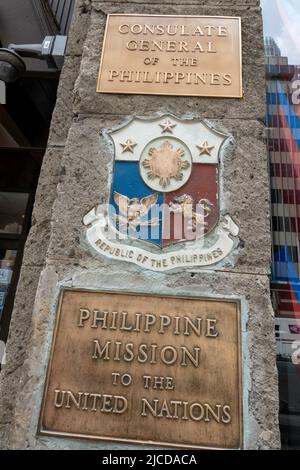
{"x":165,"y":163}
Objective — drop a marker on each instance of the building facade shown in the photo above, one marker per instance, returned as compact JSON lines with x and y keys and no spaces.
{"x":283,"y":124}
{"x":56,"y":255}
{"x":26,"y":110}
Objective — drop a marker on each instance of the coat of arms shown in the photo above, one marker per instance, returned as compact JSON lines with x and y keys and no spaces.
{"x":164,"y":207}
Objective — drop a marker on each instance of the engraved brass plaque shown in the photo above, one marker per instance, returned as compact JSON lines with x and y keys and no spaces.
{"x":172,"y":55}
{"x":145,"y":369}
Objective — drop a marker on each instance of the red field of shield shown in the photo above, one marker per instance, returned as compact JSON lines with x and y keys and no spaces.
{"x":203,"y":187}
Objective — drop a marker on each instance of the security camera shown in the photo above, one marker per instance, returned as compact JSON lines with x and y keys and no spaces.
{"x":12,"y":66}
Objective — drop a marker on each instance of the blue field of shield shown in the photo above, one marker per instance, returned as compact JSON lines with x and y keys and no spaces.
{"x":128,"y":182}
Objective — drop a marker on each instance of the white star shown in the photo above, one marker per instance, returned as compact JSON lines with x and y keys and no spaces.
{"x":205,"y":149}
{"x":128,"y":146}
{"x":167,"y":126}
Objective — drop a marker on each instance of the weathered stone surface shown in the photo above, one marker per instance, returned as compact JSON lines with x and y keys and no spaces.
{"x":76,"y":176}
{"x":39,"y":236}
{"x":63,"y":112}
{"x":79,"y":27}
{"x":20,"y":332}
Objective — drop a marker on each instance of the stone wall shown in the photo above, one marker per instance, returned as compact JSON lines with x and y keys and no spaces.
{"x":76,"y":173}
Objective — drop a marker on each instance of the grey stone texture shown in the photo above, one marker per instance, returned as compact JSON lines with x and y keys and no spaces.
{"x":39,"y":236}
{"x":75,"y":177}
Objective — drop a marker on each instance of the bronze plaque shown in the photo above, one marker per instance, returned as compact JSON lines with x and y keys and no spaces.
{"x":145,"y":369}
{"x":172,"y":55}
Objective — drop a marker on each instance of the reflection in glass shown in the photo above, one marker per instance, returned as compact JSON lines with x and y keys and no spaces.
{"x":281,"y":22}
{"x":12,"y":212}
{"x":283,"y":131}
{"x":7,"y":262}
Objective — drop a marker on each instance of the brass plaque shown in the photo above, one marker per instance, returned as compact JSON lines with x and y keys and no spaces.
{"x":172,"y":55}
{"x":145,"y":369}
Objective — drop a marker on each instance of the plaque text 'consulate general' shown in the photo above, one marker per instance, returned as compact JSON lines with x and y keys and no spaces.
{"x":147,"y":369}
{"x":172,"y":55}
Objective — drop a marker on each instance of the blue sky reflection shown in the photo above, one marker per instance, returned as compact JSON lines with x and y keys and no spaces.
{"x":282,"y":22}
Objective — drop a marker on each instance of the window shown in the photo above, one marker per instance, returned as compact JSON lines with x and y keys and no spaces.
{"x":12,"y":212}
{"x":282,"y":58}
{"x":13,"y":207}
{"x":19,"y":171}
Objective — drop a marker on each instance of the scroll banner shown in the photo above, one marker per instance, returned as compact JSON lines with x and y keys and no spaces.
{"x":97,"y":224}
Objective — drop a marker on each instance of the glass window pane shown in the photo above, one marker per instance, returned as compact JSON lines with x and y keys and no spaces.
{"x":12,"y":212}
{"x":281,"y":23}
{"x":7,"y":262}
{"x":282,"y":55}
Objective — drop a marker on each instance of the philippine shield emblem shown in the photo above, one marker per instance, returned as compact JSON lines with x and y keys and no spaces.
{"x":165,"y":193}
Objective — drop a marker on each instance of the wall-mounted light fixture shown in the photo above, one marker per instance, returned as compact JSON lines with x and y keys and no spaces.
{"x":12,"y":65}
